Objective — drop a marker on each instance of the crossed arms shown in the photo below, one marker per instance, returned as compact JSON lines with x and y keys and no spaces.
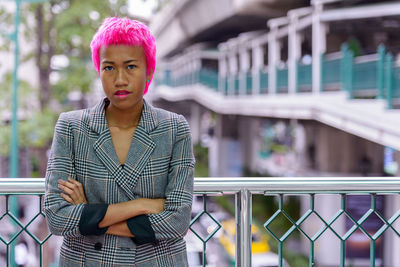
{"x":117,"y":214}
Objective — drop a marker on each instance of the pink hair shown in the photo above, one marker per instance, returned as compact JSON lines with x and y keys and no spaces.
{"x":115,"y":31}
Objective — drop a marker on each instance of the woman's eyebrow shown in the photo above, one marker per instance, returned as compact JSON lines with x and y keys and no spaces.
{"x":107,"y":62}
{"x":130,"y":61}
{"x":125,"y":62}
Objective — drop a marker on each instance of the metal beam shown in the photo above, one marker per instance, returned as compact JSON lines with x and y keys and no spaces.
{"x":361,"y":12}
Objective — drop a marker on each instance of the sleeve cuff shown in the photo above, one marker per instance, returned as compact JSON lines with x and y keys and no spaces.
{"x":140,"y":227}
{"x":92,"y":214}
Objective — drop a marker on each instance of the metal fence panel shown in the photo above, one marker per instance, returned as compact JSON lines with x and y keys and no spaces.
{"x":244,"y":189}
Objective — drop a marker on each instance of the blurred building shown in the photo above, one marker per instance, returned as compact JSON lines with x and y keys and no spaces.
{"x":287,"y":88}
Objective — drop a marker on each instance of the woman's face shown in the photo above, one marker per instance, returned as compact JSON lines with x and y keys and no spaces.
{"x":123,"y":75}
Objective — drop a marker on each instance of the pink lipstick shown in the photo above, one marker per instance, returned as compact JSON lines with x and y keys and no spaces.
{"x":121,"y":94}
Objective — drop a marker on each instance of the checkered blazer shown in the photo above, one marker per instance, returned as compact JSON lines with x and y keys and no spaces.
{"x":159,"y":164}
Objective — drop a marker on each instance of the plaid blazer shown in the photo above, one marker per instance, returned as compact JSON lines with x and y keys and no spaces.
{"x":159,"y":164}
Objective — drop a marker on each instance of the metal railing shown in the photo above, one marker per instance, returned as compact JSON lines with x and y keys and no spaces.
{"x":368,"y":76}
{"x":243,"y":189}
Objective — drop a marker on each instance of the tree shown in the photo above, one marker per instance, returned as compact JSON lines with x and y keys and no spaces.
{"x":56,"y":29}
{"x":66,"y":28}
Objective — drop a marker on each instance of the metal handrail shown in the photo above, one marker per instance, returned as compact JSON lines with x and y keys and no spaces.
{"x":299,"y":185}
{"x":233,"y":185}
{"x":243,"y":188}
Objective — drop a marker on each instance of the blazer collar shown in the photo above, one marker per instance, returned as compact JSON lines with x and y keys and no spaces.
{"x":140,"y":150}
{"x":98,"y":123}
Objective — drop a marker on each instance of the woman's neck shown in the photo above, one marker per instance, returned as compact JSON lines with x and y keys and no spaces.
{"x":123,"y":118}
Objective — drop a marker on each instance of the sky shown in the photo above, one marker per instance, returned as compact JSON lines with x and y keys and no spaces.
{"x":142,"y":8}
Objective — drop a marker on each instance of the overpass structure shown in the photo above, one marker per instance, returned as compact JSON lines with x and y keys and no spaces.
{"x":329,"y":67}
{"x":300,"y":69}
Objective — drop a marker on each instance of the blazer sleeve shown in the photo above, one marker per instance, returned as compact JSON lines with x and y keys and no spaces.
{"x":63,"y":218}
{"x":174,"y":221}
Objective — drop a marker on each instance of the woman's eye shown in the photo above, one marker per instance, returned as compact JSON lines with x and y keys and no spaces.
{"x":131,"y":67}
{"x":108,"y":68}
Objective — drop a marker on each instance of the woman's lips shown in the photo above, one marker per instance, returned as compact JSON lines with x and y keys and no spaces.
{"x":122,"y":94}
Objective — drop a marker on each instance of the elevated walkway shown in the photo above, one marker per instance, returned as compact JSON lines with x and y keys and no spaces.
{"x":368,"y":119}
{"x":300,"y":70}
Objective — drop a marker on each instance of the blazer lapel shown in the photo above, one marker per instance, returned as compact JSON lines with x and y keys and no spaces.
{"x":103,"y":146}
{"x":140,"y":150}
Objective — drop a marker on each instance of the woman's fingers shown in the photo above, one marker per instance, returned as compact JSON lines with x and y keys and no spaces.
{"x":67,"y":198}
{"x":70,"y":184}
{"x":78,"y":184}
{"x":66,"y":189}
{"x":74,"y":189}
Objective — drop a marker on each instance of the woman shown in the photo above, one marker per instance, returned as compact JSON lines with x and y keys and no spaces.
{"x":119,"y":179}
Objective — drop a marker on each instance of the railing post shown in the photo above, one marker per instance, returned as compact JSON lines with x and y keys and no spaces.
{"x":343,"y":76}
{"x":322,"y":71}
{"x":297,"y":85}
{"x":350,"y":73}
{"x":380,"y":70}
{"x":389,"y":80}
{"x":243,"y":228}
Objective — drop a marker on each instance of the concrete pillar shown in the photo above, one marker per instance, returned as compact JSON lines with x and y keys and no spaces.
{"x":192,"y":68}
{"x":274,"y":53}
{"x":318,"y":46}
{"x":178,"y":71}
{"x":189,"y":69}
{"x":310,"y":132}
{"x":195,"y":123}
{"x":197,"y":65}
{"x":225,"y":155}
{"x":258,"y":62}
{"x":244,"y":57}
{"x":215,"y":149}
{"x":222,"y":73}
{"x":299,"y":144}
{"x":340,"y":152}
{"x":233,"y":71}
{"x":335,"y":150}
{"x":294,"y":53}
{"x":248,"y":137}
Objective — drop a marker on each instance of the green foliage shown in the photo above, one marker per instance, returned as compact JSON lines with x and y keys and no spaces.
{"x":5,"y":20}
{"x":227,"y":203}
{"x":25,"y":93}
{"x":68,"y":27}
{"x":355,"y":46}
{"x":74,"y":25}
{"x":36,"y":129}
{"x":201,"y":155}
{"x":34,"y":132}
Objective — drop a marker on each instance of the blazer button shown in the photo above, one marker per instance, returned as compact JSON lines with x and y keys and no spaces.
{"x":98,"y":246}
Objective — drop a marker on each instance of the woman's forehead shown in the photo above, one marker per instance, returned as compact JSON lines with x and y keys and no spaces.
{"x":121,"y":53}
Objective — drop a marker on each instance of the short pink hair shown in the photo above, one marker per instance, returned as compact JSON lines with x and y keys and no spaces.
{"x":115,"y":31}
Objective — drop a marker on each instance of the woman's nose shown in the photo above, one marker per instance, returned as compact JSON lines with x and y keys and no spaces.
{"x":121,"y":79}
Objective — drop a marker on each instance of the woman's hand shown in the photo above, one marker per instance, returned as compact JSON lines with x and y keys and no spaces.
{"x":73,"y":191}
